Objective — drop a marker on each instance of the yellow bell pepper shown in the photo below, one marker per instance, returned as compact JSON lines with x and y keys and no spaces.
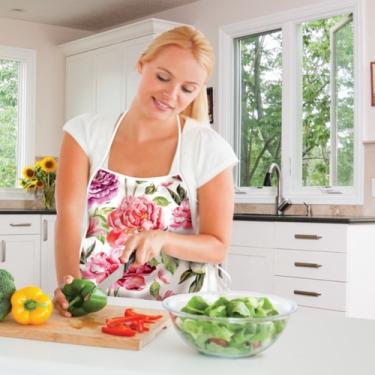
{"x":31,"y":306}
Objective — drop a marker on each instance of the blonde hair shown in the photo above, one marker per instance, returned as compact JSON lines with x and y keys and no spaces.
{"x":192,"y":39}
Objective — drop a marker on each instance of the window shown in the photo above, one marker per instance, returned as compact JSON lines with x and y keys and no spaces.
{"x":17,"y":95}
{"x":294,"y":82}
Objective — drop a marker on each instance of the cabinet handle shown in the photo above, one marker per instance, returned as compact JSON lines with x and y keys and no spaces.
{"x":304,"y":293}
{"x":45,"y":230}
{"x":308,"y":265}
{"x":20,"y":225}
{"x":307,"y":237}
{"x":3,"y":251}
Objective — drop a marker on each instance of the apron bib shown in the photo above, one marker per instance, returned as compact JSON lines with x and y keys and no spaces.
{"x":120,"y":206}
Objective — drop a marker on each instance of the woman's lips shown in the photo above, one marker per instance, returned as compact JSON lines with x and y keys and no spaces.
{"x":161,"y":105}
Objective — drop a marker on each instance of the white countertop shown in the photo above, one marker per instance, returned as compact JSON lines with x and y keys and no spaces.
{"x":315,"y":342}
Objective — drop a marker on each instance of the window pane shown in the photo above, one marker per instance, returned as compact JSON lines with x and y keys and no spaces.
{"x":327,"y":156}
{"x":258,"y":130}
{"x":9,"y":78}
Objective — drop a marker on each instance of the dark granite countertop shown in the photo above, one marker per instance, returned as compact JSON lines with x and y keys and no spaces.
{"x":26,"y":211}
{"x":306,"y":219}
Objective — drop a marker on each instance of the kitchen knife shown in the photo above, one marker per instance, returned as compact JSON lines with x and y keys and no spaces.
{"x":105,"y":284}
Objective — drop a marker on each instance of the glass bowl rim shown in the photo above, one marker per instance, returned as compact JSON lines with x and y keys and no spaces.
{"x":182,"y":314}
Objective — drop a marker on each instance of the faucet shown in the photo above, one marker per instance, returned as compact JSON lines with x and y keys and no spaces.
{"x":281,"y":204}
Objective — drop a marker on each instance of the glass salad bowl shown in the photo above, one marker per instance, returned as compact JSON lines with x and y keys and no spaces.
{"x":230,"y":324}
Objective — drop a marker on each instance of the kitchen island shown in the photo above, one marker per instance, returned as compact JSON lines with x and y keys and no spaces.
{"x":314,"y":342}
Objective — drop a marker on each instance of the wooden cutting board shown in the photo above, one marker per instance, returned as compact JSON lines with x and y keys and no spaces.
{"x":85,"y":330}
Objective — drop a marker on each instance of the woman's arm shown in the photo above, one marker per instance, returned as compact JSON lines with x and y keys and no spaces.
{"x":216,"y":206}
{"x":71,"y":186}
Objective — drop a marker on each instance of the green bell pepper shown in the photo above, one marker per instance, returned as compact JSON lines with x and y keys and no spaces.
{"x":84,"y":297}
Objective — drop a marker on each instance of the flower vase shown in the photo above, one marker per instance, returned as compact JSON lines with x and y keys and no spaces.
{"x":49,"y":198}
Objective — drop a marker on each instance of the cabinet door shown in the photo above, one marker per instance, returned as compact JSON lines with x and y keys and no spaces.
{"x":132,"y":52}
{"x":20,"y":255}
{"x":110,"y":81}
{"x":80,"y":84}
{"x":250,"y":269}
{"x":48,"y":272}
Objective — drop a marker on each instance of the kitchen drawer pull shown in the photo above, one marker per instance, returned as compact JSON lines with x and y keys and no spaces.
{"x":307,"y":237}
{"x":308,"y":265}
{"x":3,"y":251}
{"x":20,"y":225}
{"x":304,"y":293}
{"x":45,"y":230}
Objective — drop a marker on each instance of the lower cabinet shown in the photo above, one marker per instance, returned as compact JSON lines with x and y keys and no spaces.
{"x":250,"y":269}
{"x":318,"y":265}
{"x":47,"y":251}
{"x":27,"y":249}
{"x":20,"y":255}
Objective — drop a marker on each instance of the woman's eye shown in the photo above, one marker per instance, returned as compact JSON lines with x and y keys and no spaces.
{"x":162,"y":78}
{"x":188,"y":90}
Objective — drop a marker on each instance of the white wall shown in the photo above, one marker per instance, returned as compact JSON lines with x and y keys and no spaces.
{"x":50,"y":75}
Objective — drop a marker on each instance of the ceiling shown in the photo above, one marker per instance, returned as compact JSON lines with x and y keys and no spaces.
{"x":91,"y":15}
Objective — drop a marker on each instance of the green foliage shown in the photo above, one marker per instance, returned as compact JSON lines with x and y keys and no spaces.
{"x":8,"y":122}
{"x":261,"y":108}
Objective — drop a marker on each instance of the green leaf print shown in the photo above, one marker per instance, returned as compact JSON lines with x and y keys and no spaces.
{"x":155,"y":289}
{"x":181,"y":192}
{"x":186,"y":275}
{"x":169,"y":262}
{"x":86,"y":254}
{"x":153,"y":262}
{"x":101,"y":239}
{"x":161,"y":201}
{"x":174,"y":196}
{"x":197,"y":284}
{"x":150,"y":189}
{"x":140,"y":182}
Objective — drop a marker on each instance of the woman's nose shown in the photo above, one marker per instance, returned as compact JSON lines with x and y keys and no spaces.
{"x":170,"y":91}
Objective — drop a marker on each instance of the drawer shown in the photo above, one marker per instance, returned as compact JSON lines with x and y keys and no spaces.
{"x":253,"y":233}
{"x":19,"y":224}
{"x":323,"y":294}
{"x":312,"y":236}
{"x":310,"y":264}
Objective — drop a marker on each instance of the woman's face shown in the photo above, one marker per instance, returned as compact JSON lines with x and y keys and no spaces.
{"x":169,"y":82}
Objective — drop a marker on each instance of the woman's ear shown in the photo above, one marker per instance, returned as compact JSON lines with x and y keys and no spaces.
{"x":139,"y":66}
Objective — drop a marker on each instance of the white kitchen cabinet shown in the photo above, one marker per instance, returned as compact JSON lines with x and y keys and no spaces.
{"x":19,"y":254}
{"x":319,"y":265}
{"x":250,"y":268}
{"x":19,"y":248}
{"x":47,"y":251}
{"x":101,"y":74}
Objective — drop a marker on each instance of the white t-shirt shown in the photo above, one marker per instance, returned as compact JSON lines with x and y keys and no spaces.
{"x":203,"y":152}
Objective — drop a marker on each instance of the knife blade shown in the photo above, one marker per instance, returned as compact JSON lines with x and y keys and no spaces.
{"x":105,"y":284}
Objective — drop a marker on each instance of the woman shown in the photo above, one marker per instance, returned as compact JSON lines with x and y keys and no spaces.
{"x":140,"y":181}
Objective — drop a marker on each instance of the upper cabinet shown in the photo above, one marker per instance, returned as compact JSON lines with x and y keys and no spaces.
{"x":101,"y":74}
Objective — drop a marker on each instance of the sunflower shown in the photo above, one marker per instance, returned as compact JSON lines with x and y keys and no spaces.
{"x":28,"y":173}
{"x":39,"y":184}
{"x":48,"y":164}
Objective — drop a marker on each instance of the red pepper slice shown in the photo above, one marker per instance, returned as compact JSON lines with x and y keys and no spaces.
{"x":131,"y":312}
{"x":119,"y":331}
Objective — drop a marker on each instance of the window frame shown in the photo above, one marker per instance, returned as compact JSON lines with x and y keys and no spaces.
{"x":26,"y":125}
{"x":291,"y":155}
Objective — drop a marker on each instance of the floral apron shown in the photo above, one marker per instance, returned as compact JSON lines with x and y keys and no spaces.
{"x":120,"y":206}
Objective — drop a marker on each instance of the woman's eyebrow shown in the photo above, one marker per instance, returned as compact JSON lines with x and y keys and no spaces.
{"x":170,"y":73}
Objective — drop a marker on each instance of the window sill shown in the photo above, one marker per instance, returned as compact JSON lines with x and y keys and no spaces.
{"x":15,"y":194}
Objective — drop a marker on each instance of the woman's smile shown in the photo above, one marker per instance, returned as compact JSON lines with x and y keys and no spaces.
{"x":161,"y":105}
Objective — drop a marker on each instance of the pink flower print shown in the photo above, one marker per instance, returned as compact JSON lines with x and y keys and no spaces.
{"x":182,"y":216}
{"x":135,"y":214}
{"x":167,"y":184}
{"x":134,"y":279}
{"x":94,"y":229}
{"x":103,"y":187}
{"x":100,"y":266}
{"x":168,"y":293}
{"x":163,"y":276}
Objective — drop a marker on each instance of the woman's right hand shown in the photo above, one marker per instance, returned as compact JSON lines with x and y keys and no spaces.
{"x":59,"y":300}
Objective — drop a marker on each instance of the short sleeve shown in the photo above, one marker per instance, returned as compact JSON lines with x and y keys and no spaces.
{"x":77,"y":127}
{"x":212,"y":154}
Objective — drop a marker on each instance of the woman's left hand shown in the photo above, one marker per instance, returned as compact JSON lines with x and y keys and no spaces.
{"x":147,"y":245}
